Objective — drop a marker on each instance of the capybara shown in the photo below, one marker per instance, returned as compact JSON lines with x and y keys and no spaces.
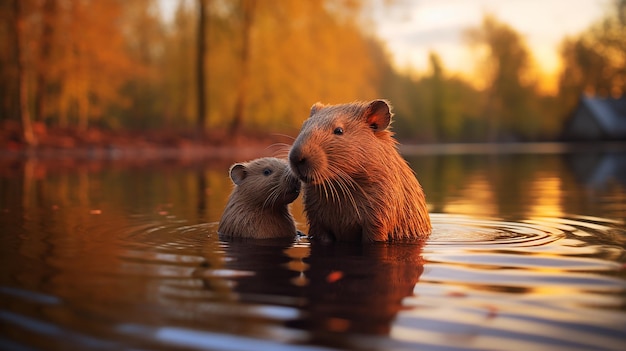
{"x":258,"y":205}
{"x":357,"y":186}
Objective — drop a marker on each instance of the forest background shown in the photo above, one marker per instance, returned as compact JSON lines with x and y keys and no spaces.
{"x":225,"y":68}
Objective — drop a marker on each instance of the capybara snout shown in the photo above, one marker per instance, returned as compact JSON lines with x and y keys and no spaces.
{"x":307,"y":161}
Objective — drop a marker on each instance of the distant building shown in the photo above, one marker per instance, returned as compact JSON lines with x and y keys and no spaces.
{"x":597,"y":119}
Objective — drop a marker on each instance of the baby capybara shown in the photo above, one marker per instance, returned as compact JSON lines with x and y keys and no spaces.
{"x":357,"y":186}
{"x":258,"y":205}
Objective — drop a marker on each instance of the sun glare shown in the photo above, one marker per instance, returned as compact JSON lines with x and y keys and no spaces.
{"x":425,"y":26}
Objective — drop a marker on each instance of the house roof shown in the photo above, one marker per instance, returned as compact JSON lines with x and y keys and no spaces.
{"x":609,"y":113}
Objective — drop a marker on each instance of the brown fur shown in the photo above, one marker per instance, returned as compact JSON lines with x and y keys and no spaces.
{"x":357,"y":186}
{"x":258,"y":205}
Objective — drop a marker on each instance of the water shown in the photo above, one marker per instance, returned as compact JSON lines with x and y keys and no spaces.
{"x":527,"y":253}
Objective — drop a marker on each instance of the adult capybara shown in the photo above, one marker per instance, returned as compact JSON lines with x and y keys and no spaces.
{"x":357,"y":186}
{"x":258,"y":205}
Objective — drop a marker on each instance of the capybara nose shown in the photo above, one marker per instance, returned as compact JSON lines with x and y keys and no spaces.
{"x":298,"y":162}
{"x":299,"y":166}
{"x":296,"y":158}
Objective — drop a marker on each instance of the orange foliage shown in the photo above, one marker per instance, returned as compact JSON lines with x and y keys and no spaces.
{"x":77,"y":52}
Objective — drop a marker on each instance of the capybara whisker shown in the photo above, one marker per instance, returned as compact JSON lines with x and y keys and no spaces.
{"x":281,"y":150}
{"x":279,"y":145}
{"x":284,"y":135}
{"x":350,"y":183}
{"x":273,"y":196}
{"x":348,"y":193}
{"x":281,"y":154}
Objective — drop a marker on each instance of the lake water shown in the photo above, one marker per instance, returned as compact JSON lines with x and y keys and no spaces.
{"x":528,"y":253}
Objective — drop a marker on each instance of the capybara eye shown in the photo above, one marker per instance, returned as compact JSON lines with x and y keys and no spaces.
{"x":338,"y":131}
{"x":267,"y":172}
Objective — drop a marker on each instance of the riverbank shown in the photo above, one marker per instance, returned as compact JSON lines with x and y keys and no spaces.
{"x":99,"y":144}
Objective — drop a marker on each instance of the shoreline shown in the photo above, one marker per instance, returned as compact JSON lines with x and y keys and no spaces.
{"x":252,"y":148}
{"x":549,"y":147}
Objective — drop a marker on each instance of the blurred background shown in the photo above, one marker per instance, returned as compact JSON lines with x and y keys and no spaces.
{"x":455,"y":71}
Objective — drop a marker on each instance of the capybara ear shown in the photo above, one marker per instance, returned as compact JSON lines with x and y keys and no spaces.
{"x":378,"y":115}
{"x":316,"y":107}
{"x":238,"y":173}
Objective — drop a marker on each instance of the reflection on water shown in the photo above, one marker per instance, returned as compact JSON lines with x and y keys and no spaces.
{"x":528,"y":252}
{"x":523,"y":185}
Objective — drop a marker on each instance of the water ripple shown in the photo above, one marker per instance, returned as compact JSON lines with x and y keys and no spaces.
{"x":567,"y":236}
{"x":536,"y":283}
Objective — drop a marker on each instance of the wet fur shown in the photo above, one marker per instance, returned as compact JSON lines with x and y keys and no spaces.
{"x":258,"y":205}
{"x":357,"y":186}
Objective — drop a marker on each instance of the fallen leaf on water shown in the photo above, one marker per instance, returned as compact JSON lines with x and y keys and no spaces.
{"x":338,"y":324}
{"x":334,"y":276}
{"x":493,"y":311}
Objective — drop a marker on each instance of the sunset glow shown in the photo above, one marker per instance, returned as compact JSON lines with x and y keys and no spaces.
{"x":411,"y":29}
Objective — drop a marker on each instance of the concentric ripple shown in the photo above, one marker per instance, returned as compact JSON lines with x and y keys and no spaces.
{"x":538,"y":283}
{"x":493,"y":252}
{"x":453,"y":231}
{"x":574,"y":235}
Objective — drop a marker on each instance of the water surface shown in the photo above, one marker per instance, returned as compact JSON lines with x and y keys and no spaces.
{"x":528,"y":253}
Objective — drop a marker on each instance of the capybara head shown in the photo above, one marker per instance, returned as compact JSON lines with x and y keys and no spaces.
{"x":357,"y":185}
{"x":338,"y":141}
{"x":265,"y":182}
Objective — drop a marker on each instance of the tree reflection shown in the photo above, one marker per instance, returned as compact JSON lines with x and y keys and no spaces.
{"x":522,"y":185}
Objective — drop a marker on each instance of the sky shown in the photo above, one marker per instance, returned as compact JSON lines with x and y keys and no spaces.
{"x":412,"y":28}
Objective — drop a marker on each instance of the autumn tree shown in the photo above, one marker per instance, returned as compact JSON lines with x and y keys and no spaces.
{"x":435,"y":107}
{"x":270,"y":61}
{"x":595,"y":61}
{"x":45,"y":59}
{"x":438,"y":95}
{"x":200,"y":64}
{"x":95,"y":63}
{"x":144,"y":35}
{"x":307,"y":53}
{"x":178,"y":72}
{"x":411,"y":102}
{"x":72,"y":60}
{"x":452,"y":103}
{"x":21,"y":60}
{"x":245,"y":20}
{"x":507,"y":67}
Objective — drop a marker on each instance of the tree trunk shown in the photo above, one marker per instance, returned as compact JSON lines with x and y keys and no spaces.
{"x":247,"y":8}
{"x":45,"y":49}
{"x":22,"y":88}
{"x":200,"y":77}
